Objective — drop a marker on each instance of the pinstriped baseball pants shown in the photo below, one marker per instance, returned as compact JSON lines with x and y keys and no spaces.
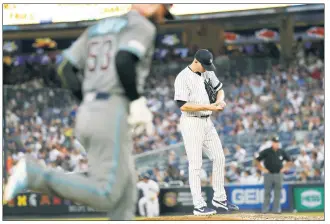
{"x":199,"y":134}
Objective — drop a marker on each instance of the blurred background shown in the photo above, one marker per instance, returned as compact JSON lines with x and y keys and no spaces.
{"x":269,"y":57}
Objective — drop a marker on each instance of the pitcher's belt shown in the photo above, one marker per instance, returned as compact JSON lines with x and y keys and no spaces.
{"x":201,"y":116}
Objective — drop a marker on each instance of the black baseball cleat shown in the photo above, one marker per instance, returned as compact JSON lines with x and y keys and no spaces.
{"x":232,"y":207}
{"x":204,"y":211}
{"x":224,"y":205}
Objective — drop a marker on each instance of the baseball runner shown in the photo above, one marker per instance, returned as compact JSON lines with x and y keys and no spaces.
{"x":115,"y":55}
{"x":149,"y":202}
{"x":198,"y":93}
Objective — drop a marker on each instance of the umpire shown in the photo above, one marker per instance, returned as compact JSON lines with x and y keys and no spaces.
{"x":273,"y":170}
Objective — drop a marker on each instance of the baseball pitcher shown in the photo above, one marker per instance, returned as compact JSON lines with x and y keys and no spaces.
{"x":149,"y":204}
{"x":115,"y":55}
{"x":198,"y":93}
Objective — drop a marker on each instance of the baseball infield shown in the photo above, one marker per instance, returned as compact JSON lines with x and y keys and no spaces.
{"x":245,"y":216}
{"x":308,"y":216}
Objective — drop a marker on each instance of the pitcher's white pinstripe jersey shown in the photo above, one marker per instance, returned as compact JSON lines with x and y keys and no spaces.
{"x":199,"y":134}
{"x":189,"y":86}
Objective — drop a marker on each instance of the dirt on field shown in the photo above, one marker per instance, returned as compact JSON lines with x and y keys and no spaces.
{"x":243,"y":216}
{"x":306,"y":216}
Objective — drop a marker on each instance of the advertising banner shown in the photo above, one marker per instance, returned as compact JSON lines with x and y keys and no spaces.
{"x":40,"y":204}
{"x":317,"y":32}
{"x":251,"y":197}
{"x":308,"y":198}
{"x":23,"y":14}
{"x":179,"y":200}
{"x":172,"y":38}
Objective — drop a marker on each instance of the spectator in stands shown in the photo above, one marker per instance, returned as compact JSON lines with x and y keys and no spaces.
{"x":239,"y":154}
{"x":314,"y":123}
{"x":267,"y":143}
{"x":293,"y":143}
{"x":167,"y":178}
{"x":316,"y":175}
{"x":227,"y":180}
{"x":259,"y":177}
{"x":183,"y":177}
{"x":320,"y":148}
{"x":303,"y":161}
{"x":307,"y":146}
{"x":322,"y":173}
{"x":157,"y":175}
{"x":9,"y":162}
{"x":287,"y":125}
{"x":303,"y":177}
{"x":82,"y":165}
{"x":54,"y":153}
{"x":43,"y":155}
{"x":173,"y":140}
{"x":296,"y":101}
{"x":247,"y":178}
{"x":158,"y":143}
{"x":66,"y":165}
{"x":226,"y":151}
{"x":40,"y":122}
{"x":233,"y":174}
{"x":257,"y":86}
{"x":228,"y":128}
{"x":75,"y":158}
{"x":173,"y":159}
{"x":239,"y":128}
{"x":54,"y":165}
{"x":172,"y":174}
{"x":315,"y":161}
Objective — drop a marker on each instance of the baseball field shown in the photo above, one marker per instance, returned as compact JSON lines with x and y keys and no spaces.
{"x":307,"y":216}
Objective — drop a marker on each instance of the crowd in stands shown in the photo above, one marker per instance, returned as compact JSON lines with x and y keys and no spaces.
{"x":39,"y":124}
{"x":308,"y":166}
{"x":40,"y":121}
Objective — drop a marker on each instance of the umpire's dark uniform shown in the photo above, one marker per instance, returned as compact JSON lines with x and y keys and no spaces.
{"x":273,"y":161}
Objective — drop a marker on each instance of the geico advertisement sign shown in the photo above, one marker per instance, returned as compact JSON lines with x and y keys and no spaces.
{"x":253,"y":196}
{"x":185,"y":198}
{"x":311,"y":198}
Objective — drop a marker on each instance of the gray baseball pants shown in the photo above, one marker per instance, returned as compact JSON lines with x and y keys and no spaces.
{"x":270,"y":180}
{"x":110,"y":186}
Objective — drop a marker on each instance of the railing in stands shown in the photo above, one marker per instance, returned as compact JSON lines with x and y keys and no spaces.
{"x":159,"y":158}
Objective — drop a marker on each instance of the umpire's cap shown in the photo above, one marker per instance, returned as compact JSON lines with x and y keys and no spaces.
{"x":275,"y":138}
{"x":205,"y":57}
{"x":168,"y":14}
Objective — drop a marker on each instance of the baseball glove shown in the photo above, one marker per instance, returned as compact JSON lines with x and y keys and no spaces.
{"x":140,"y":117}
{"x":210,"y":91}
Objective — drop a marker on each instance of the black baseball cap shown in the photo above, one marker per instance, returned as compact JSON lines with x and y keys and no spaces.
{"x":205,"y":57}
{"x":275,"y":138}
{"x":168,"y":14}
{"x":146,"y":176}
